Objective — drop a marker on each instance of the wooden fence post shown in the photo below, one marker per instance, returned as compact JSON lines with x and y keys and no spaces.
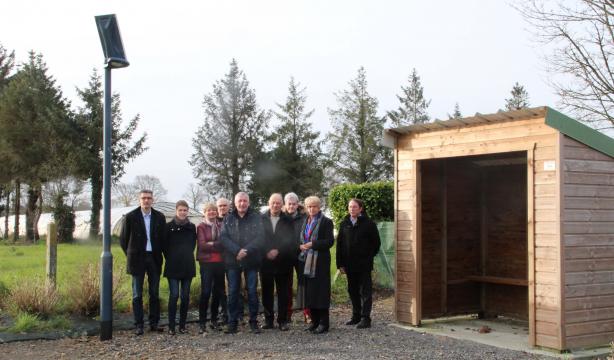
{"x":52,"y":253}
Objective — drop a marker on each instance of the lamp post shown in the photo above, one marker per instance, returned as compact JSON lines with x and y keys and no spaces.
{"x":115,"y":58}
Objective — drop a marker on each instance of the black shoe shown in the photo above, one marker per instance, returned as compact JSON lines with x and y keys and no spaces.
{"x":254,"y":328}
{"x":312,"y":327}
{"x":284,"y":327}
{"x":156,"y":328}
{"x":138,"y":331}
{"x":320,"y":330}
{"x":231,"y":329}
{"x":215,"y":326}
{"x":353,"y":321}
{"x":364,"y":323}
{"x":268,"y":325}
{"x":182,"y":330}
{"x":202,"y":329}
{"x":171,"y":331}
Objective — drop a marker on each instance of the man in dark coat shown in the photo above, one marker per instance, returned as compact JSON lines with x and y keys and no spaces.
{"x":357,"y":244}
{"x":242,"y":237}
{"x":141,"y":240}
{"x":280,"y":250}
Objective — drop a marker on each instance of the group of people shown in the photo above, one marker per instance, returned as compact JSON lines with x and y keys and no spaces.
{"x":239,"y":244}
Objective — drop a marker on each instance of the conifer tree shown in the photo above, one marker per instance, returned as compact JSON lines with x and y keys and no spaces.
{"x":456,"y":114}
{"x":295,"y":163}
{"x":356,"y":149}
{"x":124,"y":148}
{"x":519,"y":98}
{"x":38,"y":133}
{"x":232,"y":135}
{"x":414,"y":106}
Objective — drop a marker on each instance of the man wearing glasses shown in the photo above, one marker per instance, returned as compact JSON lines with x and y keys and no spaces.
{"x":141,"y":240}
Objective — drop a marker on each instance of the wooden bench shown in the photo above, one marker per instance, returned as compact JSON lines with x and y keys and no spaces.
{"x":499,"y":280}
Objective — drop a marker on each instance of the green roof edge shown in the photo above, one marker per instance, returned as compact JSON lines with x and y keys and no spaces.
{"x":580,"y":132}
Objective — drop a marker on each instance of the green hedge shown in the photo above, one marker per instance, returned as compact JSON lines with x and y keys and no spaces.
{"x":377,"y":196}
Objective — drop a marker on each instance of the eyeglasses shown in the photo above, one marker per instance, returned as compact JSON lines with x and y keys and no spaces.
{"x":146,"y":198}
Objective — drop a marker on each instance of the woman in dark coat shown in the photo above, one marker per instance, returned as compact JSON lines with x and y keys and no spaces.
{"x":357,"y":244}
{"x":314,"y":282}
{"x":179,"y":267}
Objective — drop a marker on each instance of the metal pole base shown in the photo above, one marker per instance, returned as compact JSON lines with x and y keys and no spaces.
{"x":106,"y":330}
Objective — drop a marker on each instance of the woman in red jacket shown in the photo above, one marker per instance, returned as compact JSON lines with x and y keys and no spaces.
{"x":209,"y":256}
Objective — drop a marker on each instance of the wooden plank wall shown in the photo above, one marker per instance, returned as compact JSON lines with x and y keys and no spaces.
{"x":506,"y":239}
{"x":588,"y":234}
{"x":474,"y":140}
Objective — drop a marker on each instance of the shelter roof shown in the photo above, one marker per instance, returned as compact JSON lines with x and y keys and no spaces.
{"x":563,"y":123}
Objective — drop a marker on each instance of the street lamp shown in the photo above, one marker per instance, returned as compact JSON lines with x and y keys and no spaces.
{"x":115,"y":58}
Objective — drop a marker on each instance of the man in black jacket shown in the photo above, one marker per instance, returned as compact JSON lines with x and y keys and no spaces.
{"x":280,"y":250}
{"x":242,"y":238}
{"x":357,"y":244}
{"x":141,"y":240}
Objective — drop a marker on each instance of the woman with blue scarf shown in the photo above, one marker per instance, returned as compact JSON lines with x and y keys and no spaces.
{"x":314,"y":283}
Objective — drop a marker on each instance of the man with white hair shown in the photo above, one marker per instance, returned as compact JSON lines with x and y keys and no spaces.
{"x":280,"y":252}
{"x":293,"y":211}
{"x":242,"y":238}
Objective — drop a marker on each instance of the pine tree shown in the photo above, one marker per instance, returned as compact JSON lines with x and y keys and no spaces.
{"x":7,"y":64}
{"x":123,"y":148}
{"x":356,"y":151}
{"x":456,"y":114}
{"x":295,"y":163}
{"x":38,"y":133}
{"x":414,"y":107}
{"x":231,"y":137}
{"x":518,"y":100}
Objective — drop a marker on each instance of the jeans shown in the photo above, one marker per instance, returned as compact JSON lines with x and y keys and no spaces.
{"x":211,"y":286}
{"x":234,"y":288}
{"x":269,"y":283}
{"x":360,"y":289}
{"x":153,"y":281}
{"x":173,"y":296}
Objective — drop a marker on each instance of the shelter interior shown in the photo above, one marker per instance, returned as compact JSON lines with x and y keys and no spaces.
{"x":474,"y":236}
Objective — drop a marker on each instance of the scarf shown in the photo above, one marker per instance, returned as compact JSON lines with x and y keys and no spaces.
{"x":310,"y":233}
{"x":180,"y":222}
{"x":214,"y":228}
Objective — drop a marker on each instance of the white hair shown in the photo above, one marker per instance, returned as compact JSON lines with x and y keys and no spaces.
{"x":290,"y":196}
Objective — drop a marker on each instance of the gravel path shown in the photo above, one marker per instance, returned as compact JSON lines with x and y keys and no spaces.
{"x":342,"y":342}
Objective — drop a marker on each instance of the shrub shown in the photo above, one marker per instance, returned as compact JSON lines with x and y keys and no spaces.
{"x":35,"y":297}
{"x":378,"y":199}
{"x":84,"y":292}
{"x":25,"y":322}
{"x":64,"y":217}
{"x":4,"y":293}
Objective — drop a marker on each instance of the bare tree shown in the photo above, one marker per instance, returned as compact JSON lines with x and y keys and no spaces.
{"x":195,"y":195}
{"x":71,"y":188}
{"x":581,"y":36}
{"x":125,"y":194}
{"x":152,"y":183}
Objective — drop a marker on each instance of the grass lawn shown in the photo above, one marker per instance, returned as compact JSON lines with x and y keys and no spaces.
{"x":19,"y":262}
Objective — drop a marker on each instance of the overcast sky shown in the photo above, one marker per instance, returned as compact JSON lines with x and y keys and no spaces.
{"x":470,"y":52}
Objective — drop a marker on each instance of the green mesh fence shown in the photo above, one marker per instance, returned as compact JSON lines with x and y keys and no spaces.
{"x":384,"y":261}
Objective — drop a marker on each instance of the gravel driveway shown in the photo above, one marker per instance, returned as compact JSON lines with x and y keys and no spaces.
{"x":342,"y":342}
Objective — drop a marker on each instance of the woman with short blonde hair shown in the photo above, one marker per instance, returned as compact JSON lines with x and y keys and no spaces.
{"x":316,"y":239}
{"x":209,"y":255}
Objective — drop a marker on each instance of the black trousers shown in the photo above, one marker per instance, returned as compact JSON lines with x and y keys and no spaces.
{"x":269,"y":284}
{"x":320,"y":317}
{"x":360,"y":289}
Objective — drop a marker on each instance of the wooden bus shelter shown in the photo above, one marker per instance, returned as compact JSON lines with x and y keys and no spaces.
{"x":507,"y":214}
